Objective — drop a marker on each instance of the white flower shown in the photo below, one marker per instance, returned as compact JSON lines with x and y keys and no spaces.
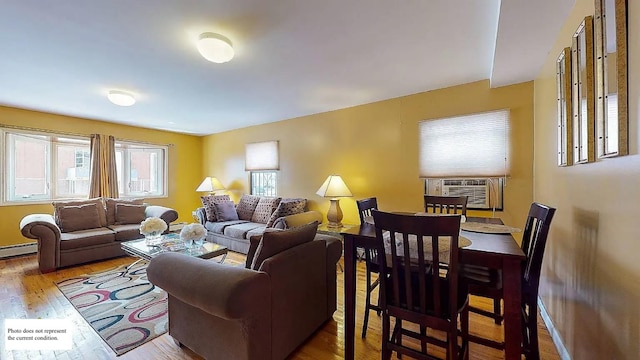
{"x":193,"y":231}
{"x":152,"y":226}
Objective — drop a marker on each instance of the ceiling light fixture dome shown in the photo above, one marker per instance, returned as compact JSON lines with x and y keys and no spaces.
{"x":215,"y":47}
{"x":121,"y":98}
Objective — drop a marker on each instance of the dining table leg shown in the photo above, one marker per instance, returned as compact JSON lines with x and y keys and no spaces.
{"x":512,"y":312}
{"x":349,"y":298}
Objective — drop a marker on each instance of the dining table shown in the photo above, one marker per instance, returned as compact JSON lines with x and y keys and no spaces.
{"x":497,"y":251}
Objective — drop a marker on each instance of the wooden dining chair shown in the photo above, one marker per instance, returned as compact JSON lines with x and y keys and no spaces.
{"x":445,"y":204}
{"x":365,"y":206}
{"x":416,"y":289}
{"x":488,"y":282}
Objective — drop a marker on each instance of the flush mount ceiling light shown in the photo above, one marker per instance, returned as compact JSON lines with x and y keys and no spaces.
{"x":215,"y":47}
{"x":121,"y":98}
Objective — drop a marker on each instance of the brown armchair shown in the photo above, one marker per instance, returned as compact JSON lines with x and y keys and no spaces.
{"x":232,"y":312}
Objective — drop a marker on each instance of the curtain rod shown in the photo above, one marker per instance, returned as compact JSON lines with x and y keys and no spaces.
{"x":56,"y":132}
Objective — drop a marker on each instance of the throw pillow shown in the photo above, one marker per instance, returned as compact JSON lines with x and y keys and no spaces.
{"x":98,"y":201}
{"x":129,"y":214}
{"x":254,"y":241}
{"x":226,"y":211}
{"x":111,"y":207}
{"x":80,"y":217}
{"x":247,"y":206}
{"x":287,"y":207}
{"x":275,"y":242}
{"x":266,"y":206}
{"x":209,"y":203}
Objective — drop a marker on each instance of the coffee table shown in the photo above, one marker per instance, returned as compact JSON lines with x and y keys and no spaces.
{"x":172,"y":243}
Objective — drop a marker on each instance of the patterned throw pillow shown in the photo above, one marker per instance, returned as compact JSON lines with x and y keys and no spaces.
{"x":209,"y":202}
{"x":266,"y":206}
{"x":287,"y":207}
{"x":247,"y":206}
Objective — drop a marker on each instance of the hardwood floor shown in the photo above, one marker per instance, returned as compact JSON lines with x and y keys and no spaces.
{"x":27,"y":294}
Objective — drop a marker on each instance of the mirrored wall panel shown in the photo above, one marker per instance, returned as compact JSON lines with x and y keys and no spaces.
{"x":563,"y":80}
{"x":610,"y":27}
{"x":583,"y":93}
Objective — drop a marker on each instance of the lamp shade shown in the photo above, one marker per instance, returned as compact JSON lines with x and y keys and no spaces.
{"x":210,"y":184}
{"x":215,"y":47}
{"x":334,"y":187}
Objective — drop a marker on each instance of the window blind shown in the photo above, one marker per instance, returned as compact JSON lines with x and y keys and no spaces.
{"x":474,"y":145}
{"x":262,"y":156}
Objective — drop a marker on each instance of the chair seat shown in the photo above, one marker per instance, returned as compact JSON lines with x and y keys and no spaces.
{"x":480,"y":275}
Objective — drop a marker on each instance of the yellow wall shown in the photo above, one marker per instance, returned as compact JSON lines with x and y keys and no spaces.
{"x":374,"y":148}
{"x":185,"y":171}
{"x":591,"y":271}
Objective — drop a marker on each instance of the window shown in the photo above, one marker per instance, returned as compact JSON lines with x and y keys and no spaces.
{"x":262,"y":162}
{"x":264,"y":183}
{"x":141,"y":169}
{"x":466,"y":155}
{"x":41,"y":167}
{"x":474,"y":145}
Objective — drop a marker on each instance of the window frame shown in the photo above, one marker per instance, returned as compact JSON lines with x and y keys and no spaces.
{"x":252,"y":186}
{"x":126,"y":148}
{"x":51,"y":141}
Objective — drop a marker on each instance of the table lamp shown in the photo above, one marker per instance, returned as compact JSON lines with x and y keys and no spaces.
{"x":210,"y":184}
{"x":334,"y":188}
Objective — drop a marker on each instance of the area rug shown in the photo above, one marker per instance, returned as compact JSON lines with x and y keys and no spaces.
{"x":120,"y":304}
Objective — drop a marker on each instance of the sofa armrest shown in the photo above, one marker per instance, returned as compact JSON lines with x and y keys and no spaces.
{"x":43,"y":228}
{"x":201,"y":215}
{"x":167,"y":214}
{"x":295,"y":220}
{"x":228,"y":292}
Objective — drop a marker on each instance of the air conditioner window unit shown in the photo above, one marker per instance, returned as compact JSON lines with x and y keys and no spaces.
{"x":477,"y":191}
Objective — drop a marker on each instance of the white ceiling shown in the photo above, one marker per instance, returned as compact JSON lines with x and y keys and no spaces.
{"x":293,"y":57}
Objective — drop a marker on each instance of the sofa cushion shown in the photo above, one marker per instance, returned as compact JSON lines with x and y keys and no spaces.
{"x":276,"y":242}
{"x":111,"y":207}
{"x":126,"y":232}
{"x":219,"y":226}
{"x":258,"y":231}
{"x":287,"y":207}
{"x":98,"y":201}
{"x":247,"y":206}
{"x":129,"y":213}
{"x":266,"y":206}
{"x":209,"y":201}
{"x":80,"y":217}
{"x":86,"y":238}
{"x":239,"y":231}
{"x":226,"y":211}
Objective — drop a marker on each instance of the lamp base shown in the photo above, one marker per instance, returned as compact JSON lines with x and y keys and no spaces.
{"x":334,"y":215}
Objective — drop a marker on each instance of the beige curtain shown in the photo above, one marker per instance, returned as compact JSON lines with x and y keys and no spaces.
{"x":103,"y":180}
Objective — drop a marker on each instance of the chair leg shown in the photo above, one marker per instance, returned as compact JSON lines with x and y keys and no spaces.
{"x":530,"y":333}
{"x":464,"y":329}
{"x":498,"y":311}
{"x":386,"y":325}
{"x":366,"y":305}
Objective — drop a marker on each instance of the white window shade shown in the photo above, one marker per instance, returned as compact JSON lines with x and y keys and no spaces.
{"x":262,"y":156}
{"x":474,"y":145}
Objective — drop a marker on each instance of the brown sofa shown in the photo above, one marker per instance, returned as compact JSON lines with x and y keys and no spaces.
{"x":232,"y":312}
{"x":88,"y":230}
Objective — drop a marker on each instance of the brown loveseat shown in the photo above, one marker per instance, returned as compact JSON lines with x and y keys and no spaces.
{"x":88,"y":230}
{"x":262,"y":312}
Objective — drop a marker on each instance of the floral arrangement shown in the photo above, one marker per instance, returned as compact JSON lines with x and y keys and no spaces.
{"x":193,"y":232}
{"x":152,"y":226}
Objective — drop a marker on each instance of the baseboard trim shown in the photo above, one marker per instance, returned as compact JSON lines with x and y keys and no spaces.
{"x":555,"y":335}
{"x":16,"y":250}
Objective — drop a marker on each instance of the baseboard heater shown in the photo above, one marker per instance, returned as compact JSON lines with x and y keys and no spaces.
{"x":16,"y":250}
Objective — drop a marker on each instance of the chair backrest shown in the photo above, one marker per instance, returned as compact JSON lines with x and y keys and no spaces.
{"x":445,"y":204}
{"x":365,"y":206}
{"x":416,"y":282}
{"x":534,"y":240}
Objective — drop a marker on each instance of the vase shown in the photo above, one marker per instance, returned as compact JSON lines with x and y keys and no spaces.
{"x":153,"y":239}
{"x":188,"y":243}
{"x":199,"y":242}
